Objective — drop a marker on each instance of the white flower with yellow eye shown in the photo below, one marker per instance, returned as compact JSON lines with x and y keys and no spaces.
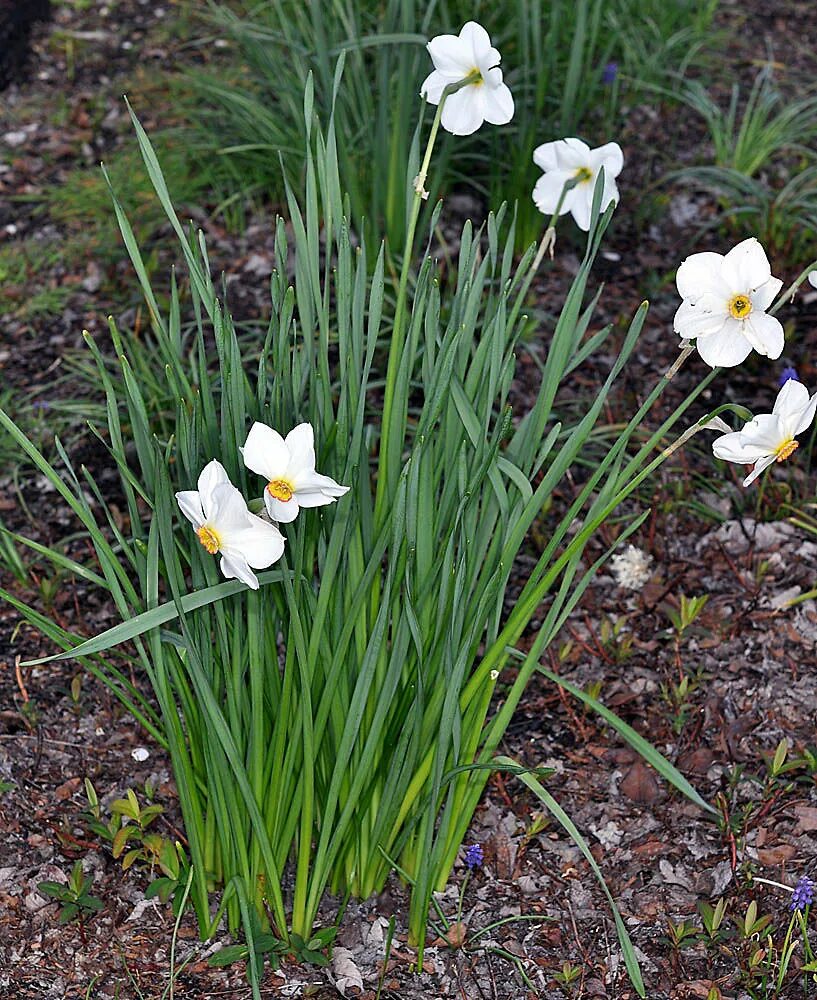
{"x":573,"y":160}
{"x":770,"y":437}
{"x":225,"y":526}
{"x":288,"y":465}
{"x":725,"y":303}
{"x":467,"y":56}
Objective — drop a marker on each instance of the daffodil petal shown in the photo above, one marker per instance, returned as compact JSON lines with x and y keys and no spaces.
{"x":283,"y":511}
{"x":463,"y":111}
{"x":746,"y":267}
{"x":581,"y":207}
{"x":760,"y":466}
{"x":701,"y":273}
{"x":736,"y":447}
{"x":265,"y":452}
{"x":791,"y":400}
{"x":450,"y":56}
{"x":763,"y":297}
{"x":727,"y":347}
{"x":807,"y":416}
{"x":228,"y":509}
{"x":260,"y":543}
{"x":572,"y":153}
{"x":764,"y":333}
{"x":189,"y":502}
{"x":545,"y":158}
{"x":301,"y":445}
{"x":498,"y":104}
{"x":478,"y":41}
{"x":234,"y":566}
{"x":609,"y":156}
{"x":693,"y":321}
{"x":610,"y":193}
{"x":310,"y":482}
{"x":213,"y":474}
{"x":433,"y":87}
{"x":548,"y":190}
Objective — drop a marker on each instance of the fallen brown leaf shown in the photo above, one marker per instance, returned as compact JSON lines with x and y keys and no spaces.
{"x":771,"y":857}
{"x":67,"y":789}
{"x":640,"y":785}
{"x":806,"y":818}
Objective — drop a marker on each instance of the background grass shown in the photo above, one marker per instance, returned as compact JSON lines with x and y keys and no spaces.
{"x":554,"y":56}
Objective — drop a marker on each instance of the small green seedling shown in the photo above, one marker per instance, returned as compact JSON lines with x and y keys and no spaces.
{"x":174,"y":865}
{"x":712,"y":918}
{"x":753,"y":925}
{"x":568,"y":974}
{"x":682,"y":935}
{"x":77,"y":902}
{"x":617,"y":639}
{"x":684,"y":617}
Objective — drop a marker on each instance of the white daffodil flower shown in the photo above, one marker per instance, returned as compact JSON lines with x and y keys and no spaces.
{"x":573,"y":160}
{"x":224,"y":525}
{"x":770,"y":437}
{"x":812,"y":278}
{"x":725,"y":303}
{"x":468,"y":55}
{"x":288,"y":465}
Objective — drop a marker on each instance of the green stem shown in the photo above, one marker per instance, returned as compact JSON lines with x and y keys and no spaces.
{"x":789,"y":293}
{"x":388,"y":464}
{"x":549,"y":240}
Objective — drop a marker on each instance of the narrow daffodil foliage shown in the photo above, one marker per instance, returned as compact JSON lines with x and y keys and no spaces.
{"x":571,"y":169}
{"x":468,"y":59}
{"x":725,"y":303}
{"x":225,"y":526}
{"x":770,"y":437}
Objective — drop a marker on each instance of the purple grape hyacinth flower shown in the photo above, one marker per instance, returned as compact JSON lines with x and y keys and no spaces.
{"x":802,"y":895}
{"x":474,"y":856}
{"x":787,"y":373}
{"x":609,"y":73}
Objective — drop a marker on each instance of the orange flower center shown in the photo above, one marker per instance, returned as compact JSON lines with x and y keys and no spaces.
{"x":209,"y":538}
{"x":280,"y":489}
{"x":740,"y":306}
{"x":786,"y":449}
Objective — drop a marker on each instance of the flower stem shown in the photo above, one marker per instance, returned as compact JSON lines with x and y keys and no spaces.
{"x":388,"y":464}
{"x":676,"y":367}
{"x":548,"y":243}
{"x":789,"y":293}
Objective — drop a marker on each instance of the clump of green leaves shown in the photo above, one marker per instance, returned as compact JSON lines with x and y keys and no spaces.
{"x":569,"y":976}
{"x":764,"y":174}
{"x":749,"y":948}
{"x":338,"y":725}
{"x":75,"y":897}
{"x":128,"y":825}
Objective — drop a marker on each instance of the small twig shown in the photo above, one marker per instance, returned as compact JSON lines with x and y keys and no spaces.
{"x":19,"y":677}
